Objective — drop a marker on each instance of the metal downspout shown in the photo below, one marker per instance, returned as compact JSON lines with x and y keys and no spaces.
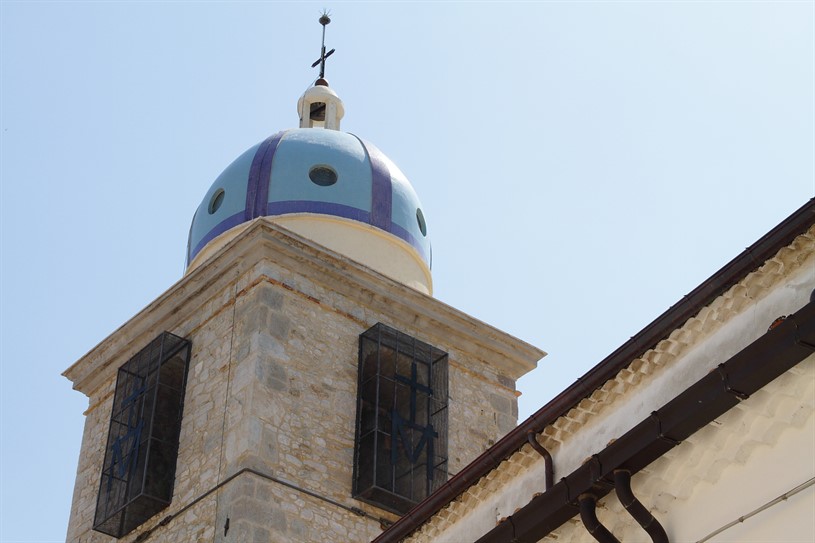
{"x":588,"y":503}
{"x":532,"y":438}
{"x":622,"y":486}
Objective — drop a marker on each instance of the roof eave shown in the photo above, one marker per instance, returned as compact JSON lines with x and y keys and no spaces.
{"x":660,"y":328}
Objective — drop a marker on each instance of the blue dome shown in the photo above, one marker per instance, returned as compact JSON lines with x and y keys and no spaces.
{"x":311,"y":170}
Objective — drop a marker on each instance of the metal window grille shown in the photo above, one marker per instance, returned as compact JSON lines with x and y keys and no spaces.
{"x":142,"y":447}
{"x":400,"y":455}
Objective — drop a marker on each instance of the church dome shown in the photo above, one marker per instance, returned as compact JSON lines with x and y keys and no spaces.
{"x":326,"y":185}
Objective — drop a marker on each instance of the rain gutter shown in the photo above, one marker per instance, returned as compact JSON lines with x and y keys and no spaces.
{"x":733,"y":272}
{"x":731,"y":382}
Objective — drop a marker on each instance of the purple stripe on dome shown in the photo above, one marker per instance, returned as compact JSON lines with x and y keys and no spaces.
{"x":323,"y":208}
{"x":266,"y":176}
{"x":217,"y":230}
{"x":382,"y":189}
{"x":254,"y":175}
{"x":257,"y":188}
{"x":400,"y":232}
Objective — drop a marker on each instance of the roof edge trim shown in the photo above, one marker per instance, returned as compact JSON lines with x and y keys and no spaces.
{"x":730,"y":274}
{"x":708,"y":398}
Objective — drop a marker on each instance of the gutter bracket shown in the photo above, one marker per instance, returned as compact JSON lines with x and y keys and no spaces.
{"x":595,"y":467}
{"x":514,"y":537}
{"x":569,"y":499}
{"x":798,"y":339}
{"x":726,"y":380}
{"x":803,"y":343}
{"x":596,"y":470}
{"x":660,"y":435}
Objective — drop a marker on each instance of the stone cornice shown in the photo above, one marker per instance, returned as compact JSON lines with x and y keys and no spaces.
{"x":263,"y":241}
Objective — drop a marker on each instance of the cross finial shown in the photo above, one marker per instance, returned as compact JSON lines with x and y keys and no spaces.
{"x":324,"y":20}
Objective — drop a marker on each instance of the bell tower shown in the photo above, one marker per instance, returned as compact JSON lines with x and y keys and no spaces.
{"x":299,"y":383}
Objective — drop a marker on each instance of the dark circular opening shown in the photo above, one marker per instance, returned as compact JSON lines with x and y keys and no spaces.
{"x":420,"y":220}
{"x":216,"y":201}
{"x":322,"y":175}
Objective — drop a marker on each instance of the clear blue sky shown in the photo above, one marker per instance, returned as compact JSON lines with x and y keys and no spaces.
{"x":582,"y":165}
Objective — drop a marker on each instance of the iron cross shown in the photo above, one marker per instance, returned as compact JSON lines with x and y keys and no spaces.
{"x":324,"y":20}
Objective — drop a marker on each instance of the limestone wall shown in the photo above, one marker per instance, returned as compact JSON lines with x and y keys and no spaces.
{"x":272,"y":388}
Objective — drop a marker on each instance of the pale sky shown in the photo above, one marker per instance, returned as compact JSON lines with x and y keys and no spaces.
{"x":582,"y":166}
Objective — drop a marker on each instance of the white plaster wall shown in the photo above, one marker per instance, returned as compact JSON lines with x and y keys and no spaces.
{"x":665,"y":384}
{"x":791,"y":521}
{"x":469,"y":528}
{"x":487,"y":514}
{"x":771,"y":469}
{"x":723,"y":334}
{"x":759,"y":450}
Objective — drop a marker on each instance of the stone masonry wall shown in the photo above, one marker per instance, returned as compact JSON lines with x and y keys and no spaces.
{"x":272,"y":388}
{"x":200,"y":440}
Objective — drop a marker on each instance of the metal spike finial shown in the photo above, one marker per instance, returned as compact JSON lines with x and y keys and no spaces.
{"x":324,"y":20}
{"x":325,"y":17}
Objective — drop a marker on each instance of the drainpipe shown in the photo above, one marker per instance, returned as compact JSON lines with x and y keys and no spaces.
{"x":588,"y":503}
{"x":622,"y":486}
{"x":532,"y":438}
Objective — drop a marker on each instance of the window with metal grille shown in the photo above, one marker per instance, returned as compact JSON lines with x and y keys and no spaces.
{"x":400,"y":455}
{"x":142,"y":447}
